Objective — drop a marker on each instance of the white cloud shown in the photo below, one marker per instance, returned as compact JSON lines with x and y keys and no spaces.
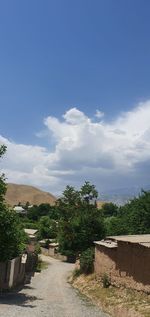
{"x":108,"y":154}
{"x":99,"y":114}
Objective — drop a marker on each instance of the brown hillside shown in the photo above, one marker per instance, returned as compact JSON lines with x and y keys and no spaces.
{"x":23,"y":193}
{"x":100,"y":204}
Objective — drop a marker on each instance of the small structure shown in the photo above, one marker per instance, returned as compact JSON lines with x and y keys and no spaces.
{"x":32,"y":239}
{"x":53,"y":247}
{"x":31,"y":233}
{"x":49,"y":247}
{"x":125,"y":259}
{"x":20,"y":210}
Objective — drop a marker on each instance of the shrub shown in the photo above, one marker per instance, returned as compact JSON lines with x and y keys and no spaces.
{"x":87,"y":261}
{"x":37,"y":249}
{"x":106,"y":280}
{"x":76,"y":273}
{"x":12,"y":237}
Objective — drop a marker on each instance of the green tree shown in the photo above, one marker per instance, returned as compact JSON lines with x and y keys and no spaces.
{"x":36,"y":212}
{"x":32,"y":213}
{"x":12,"y":237}
{"x":47,"y":228}
{"x":88,"y":192}
{"x":81,"y":222}
{"x":132,"y":218}
{"x":2,"y":178}
{"x":109,"y":209}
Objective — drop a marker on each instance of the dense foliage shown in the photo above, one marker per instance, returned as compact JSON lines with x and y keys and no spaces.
{"x":86,"y":261}
{"x":76,"y":221}
{"x":81,"y":222}
{"x":12,"y":237}
{"x":47,"y":228}
{"x":132,"y":218}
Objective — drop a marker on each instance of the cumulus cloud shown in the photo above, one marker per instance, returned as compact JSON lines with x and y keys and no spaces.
{"x":108,"y":154}
{"x":99,"y":114}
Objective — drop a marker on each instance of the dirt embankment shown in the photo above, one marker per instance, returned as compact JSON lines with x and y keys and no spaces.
{"x":118,"y":302}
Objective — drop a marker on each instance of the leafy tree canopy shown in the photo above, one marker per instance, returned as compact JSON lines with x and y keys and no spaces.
{"x":81,"y":222}
{"x":132,"y":218}
{"x":47,"y":228}
{"x":12,"y":237}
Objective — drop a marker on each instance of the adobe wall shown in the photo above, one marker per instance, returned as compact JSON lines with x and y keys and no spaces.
{"x":105,"y":260}
{"x":4,"y":274}
{"x":12,"y":273}
{"x":19,"y":272}
{"x":128,"y":265}
{"x":51,"y":252}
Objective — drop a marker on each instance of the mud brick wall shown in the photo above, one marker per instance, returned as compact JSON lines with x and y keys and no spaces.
{"x":127,"y":265}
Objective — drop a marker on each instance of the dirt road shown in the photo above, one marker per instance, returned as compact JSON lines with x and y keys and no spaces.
{"x":49,"y":295}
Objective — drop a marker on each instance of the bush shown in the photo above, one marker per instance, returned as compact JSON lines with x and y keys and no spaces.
{"x":76,"y":273}
{"x":13,"y":238}
{"x":41,"y":265}
{"x":37,"y":249}
{"x":106,"y":280}
{"x":87,"y":261}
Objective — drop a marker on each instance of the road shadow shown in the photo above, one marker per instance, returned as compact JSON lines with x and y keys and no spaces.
{"x":18,"y":299}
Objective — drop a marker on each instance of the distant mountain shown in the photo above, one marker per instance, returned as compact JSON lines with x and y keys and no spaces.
{"x":121,"y":196}
{"x":24,"y":193}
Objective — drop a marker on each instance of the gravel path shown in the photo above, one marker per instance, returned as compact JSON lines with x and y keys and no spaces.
{"x":48,"y":295}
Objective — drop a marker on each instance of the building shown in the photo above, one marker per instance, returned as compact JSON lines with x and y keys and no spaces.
{"x":31,"y":233}
{"x":32,"y":239}
{"x":125,"y":259}
{"x":20,"y":210}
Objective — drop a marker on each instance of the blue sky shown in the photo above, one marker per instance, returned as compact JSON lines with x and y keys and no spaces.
{"x":61,"y":55}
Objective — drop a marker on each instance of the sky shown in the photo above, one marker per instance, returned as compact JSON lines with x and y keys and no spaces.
{"x":75,"y":92}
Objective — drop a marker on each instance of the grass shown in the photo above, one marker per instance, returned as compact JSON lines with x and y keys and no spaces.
{"x":113,"y":300}
{"x":41,"y":265}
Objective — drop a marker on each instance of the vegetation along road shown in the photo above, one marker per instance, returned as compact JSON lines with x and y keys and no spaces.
{"x":49,"y":295}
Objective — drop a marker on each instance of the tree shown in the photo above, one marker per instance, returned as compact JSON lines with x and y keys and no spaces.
{"x":109,"y":209}
{"x":32,"y":213}
{"x":2,"y":178}
{"x":36,"y":212}
{"x":47,"y":228}
{"x":81,"y":222}
{"x":12,"y":237}
{"x":132,"y":218}
{"x":88,"y":192}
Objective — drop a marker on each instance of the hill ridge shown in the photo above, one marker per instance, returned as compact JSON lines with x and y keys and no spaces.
{"x":25,"y":193}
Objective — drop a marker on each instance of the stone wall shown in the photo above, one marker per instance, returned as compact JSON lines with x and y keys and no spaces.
{"x":127,"y":265}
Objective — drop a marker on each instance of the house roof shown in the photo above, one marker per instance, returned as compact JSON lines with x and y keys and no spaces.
{"x":53,"y":245}
{"x":138,"y":238}
{"x":19,"y":208}
{"x":107,"y":243}
{"x":111,"y":241}
{"x":31,"y":232}
{"x":146,"y":244}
